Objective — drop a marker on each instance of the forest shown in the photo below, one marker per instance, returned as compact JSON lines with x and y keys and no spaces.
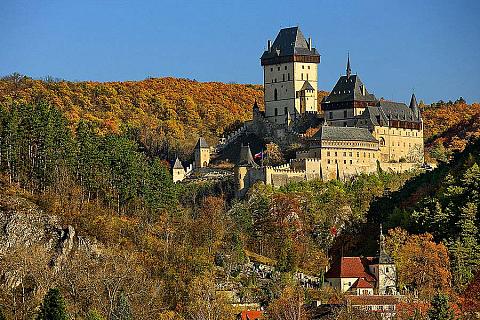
{"x":96,"y":155}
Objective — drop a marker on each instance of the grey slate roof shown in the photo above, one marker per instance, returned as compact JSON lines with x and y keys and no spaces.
{"x":289,"y":42}
{"x":344,"y":134}
{"x":246,"y":158}
{"x":307,"y":86}
{"x":349,"y":89}
{"x":383,"y":111}
{"x":178,"y":164}
{"x":414,"y":106}
{"x":201,"y":143}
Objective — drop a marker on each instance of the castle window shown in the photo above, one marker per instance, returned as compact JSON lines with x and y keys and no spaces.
{"x":302,"y":76}
{"x":308,"y":67}
{"x":382,"y":141}
{"x":350,"y":154}
{"x":278,"y":68}
{"x":344,"y":154}
{"x":386,"y":269}
{"x":335,"y":160}
{"x":345,"y":113}
{"x":328,"y":153}
{"x":285,"y":67}
{"x":328,"y":161}
{"x":303,"y":67}
{"x":289,"y":76}
{"x":330,"y":115}
{"x":350,"y":161}
{"x":275,"y":95}
{"x":276,"y":110}
{"x":335,"y":153}
{"x":358,"y":154}
{"x":307,"y":76}
{"x":283,"y":76}
{"x":271,"y":69}
{"x":344,"y":161}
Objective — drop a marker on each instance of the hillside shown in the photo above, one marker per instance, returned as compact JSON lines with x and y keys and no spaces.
{"x":167,"y":114}
{"x":449,"y":127}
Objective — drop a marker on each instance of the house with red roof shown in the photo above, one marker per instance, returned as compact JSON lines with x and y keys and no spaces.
{"x":364,"y":275}
{"x":250,"y":315}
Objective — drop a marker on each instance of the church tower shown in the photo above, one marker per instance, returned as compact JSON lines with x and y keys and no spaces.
{"x":384,"y":270}
{"x":290,"y":76}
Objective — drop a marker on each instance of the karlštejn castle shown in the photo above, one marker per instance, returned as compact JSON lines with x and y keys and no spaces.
{"x":354,"y":133}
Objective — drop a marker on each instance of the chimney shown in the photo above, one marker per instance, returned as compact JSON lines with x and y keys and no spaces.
{"x":269,"y":45}
{"x":309,"y":43}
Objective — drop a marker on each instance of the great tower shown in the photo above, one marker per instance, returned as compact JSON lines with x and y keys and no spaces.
{"x":290,"y":76}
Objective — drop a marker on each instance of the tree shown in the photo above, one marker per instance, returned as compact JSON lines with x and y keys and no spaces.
{"x":203,"y":301}
{"x":273,"y":155}
{"x":2,"y":314}
{"x":93,"y":315}
{"x":53,"y":306}
{"x":440,"y":309}
{"x":422,"y":264}
{"x":122,"y":309}
{"x":289,"y":306}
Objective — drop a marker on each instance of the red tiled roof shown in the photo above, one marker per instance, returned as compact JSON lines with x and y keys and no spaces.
{"x":351,"y":267}
{"x":251,"y":315}
{"x":361,"y":283}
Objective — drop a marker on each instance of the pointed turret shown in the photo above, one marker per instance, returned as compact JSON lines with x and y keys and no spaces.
{"x":414,"y":106}
{"x":246,"y":158}
{"x":383,"y":257}
{"x":178,"y":164}
{"x":349,"y":69}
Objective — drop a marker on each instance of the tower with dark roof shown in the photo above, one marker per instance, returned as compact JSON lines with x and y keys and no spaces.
{"x":347,"y":100}
{"x":290,"y":67}
{"x":202,"y":153}
{"x":414,"y":107}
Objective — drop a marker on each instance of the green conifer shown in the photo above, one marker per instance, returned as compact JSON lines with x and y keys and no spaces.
{"x":53,"y":306}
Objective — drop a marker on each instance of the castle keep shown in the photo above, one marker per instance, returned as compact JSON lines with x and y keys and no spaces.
{"x":354,"y":133}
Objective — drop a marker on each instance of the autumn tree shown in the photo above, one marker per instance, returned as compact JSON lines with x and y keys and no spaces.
{"x":289,"y":305}
{"x":422,"y":264}
{"x":204,"y":303}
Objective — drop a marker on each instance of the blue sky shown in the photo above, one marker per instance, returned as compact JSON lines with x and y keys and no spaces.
{"x":430,"y":46}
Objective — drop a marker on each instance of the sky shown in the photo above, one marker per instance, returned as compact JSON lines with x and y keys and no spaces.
{"x":431,"y":47}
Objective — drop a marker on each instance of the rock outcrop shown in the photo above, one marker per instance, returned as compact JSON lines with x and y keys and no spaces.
{"x":24,"y":224}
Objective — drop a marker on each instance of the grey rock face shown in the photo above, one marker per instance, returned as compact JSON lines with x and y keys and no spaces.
{"x":23,"y":223}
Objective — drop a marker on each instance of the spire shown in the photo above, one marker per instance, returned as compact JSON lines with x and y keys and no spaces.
{"x":383,"y":257}
{"x":414,"y":106}
{"x":349,"y":69}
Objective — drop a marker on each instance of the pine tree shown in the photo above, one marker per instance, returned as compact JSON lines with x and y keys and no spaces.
{"x":440,"y":309}
{"x":53,"y":306}
{"x":122,"y":309}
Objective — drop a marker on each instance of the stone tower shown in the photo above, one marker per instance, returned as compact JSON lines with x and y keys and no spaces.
{"x":178,"y":171}
{"x":290,"y":72}
{"x":244,"y":175}
{"x":202,"y":154}
{"x":384,"y":270}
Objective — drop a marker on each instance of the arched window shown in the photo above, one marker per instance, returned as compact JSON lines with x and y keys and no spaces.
{"x":382,"y":141}
{"x":275,"y":94}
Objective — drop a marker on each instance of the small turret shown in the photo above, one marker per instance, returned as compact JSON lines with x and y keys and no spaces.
{"x":414,"y":106}
{"x":178,"y":171}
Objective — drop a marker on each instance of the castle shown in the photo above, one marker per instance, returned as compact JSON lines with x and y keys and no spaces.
{"x":355,"y":132}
